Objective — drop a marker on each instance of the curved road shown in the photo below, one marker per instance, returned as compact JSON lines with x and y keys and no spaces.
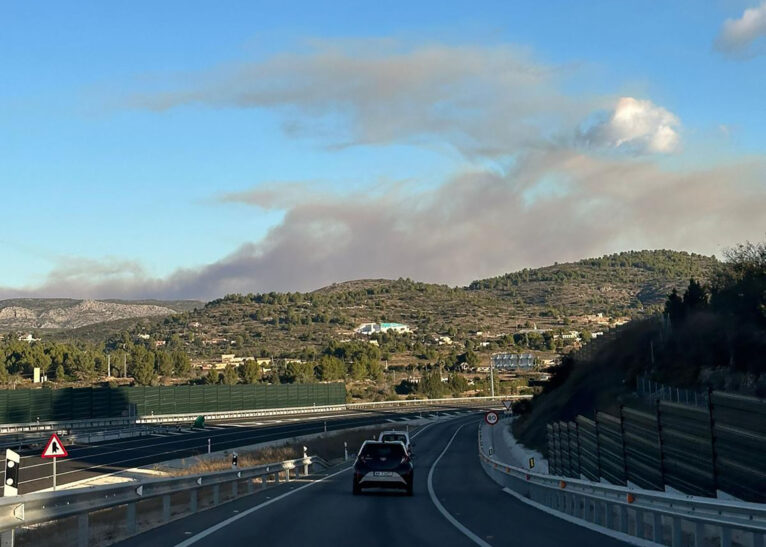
{"x":474,"y":510}
{"x":111,"y":457}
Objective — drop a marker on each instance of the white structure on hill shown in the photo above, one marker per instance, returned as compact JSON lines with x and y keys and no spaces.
{"x":372,"y":328}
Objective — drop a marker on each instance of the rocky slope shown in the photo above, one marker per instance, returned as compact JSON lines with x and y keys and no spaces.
{"x":78,"y":314}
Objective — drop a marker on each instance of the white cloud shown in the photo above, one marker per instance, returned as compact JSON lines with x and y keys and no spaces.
{"x":737,"y":36}
{"x":637,"y":126}
{"x":483,"y":101}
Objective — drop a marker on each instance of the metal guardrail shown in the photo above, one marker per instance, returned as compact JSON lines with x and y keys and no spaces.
{"x":70,"y":425}
{"x":656,"y":516}
{"x":43,"y":507}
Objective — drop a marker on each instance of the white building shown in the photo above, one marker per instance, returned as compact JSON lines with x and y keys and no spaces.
{"x":372,"y":328}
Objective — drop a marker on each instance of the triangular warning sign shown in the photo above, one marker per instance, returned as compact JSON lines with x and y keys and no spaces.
{"x":55,"y":448}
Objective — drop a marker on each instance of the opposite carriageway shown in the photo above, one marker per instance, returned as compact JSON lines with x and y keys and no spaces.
{"x":106,"y":458}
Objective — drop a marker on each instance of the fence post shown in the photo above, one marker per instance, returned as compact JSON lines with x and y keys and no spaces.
{"x":712,"y":437}
{"x":659,"y":442}
{"x":622,"y":438}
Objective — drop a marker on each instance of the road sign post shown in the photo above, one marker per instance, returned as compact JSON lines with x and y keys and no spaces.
{"x":54,"y":449}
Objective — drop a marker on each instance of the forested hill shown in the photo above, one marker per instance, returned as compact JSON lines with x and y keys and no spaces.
{"x":557,"y":298}
{"x":614,"y":284}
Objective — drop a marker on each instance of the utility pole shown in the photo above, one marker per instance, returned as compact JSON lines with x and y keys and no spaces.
{"x":125,"y":365}
{"x":492,"y":375}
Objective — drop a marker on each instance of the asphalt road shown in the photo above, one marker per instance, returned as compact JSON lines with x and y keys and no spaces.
{"x":89,"y":461}
{"x":323,"y":511}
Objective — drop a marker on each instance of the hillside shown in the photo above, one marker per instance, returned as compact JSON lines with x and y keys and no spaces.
{"x":58,"y":313}
{"x":712,"y":335}
{"x":617,"y":284}
{"x":553,"y":299}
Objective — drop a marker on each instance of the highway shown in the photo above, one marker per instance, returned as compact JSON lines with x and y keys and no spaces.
{"x":90,"y":461}
{"x":462,"y":506}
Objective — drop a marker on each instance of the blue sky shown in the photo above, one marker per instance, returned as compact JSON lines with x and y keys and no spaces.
{"x":108,"y":194}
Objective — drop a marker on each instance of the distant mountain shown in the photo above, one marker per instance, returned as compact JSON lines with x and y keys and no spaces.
{"x":58,"y":313}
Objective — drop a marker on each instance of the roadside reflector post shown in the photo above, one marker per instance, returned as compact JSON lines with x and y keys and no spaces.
{"x":345,"y":451}
{"x":12,"y":461}
{"x":305,"y":460}
{"x":234,"y":460}
{"x":208,"y":446}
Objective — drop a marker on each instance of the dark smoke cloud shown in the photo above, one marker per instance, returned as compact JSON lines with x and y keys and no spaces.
{"x":477,"y":224}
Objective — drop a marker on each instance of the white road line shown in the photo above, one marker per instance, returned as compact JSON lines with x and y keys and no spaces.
{"x":457,"y":524}
{"x":215,"y":528}
{"x":212,"y":529}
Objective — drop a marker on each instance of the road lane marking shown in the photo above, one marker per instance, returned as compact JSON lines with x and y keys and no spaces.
{"x":456,"y":523}
{"x":194,"y":539}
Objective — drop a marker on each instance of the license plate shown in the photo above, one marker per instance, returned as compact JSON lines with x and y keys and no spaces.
{"x":382,"y":474}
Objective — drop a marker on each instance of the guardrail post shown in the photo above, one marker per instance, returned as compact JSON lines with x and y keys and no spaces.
{"x":250,"y":487}
{"x":131,"y":518}
{"x":725,"y":536}
{"x":216,"y":494}
{"x":6,"y":538}
{"x":623,"y":512}
{"x":699,"y":534}
{"x":639,"y":523}
{"x":608,"y":516}
{"x":675,"y":532}
{"x":234,"y":489}
{"x":82,"y":530}
{"x":657,"y":527}
{"x":264,"y":479}
{"x":166,"y":507}
{"x":193,"y":500}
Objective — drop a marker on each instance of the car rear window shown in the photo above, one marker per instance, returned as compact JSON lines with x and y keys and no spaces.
{"x":382,"y":451}
{"x":393,"y":437}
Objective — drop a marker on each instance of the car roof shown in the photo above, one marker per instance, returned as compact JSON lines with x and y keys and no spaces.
{"x":380,"y":443}
{"x":394,"y":432}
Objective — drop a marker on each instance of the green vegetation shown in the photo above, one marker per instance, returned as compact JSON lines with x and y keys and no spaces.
{"x":309,"y":337}
{"x":300,"y":325}
{"x":711,"y":336}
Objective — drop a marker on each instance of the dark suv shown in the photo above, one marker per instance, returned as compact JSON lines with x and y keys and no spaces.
{"x":383,"y":465}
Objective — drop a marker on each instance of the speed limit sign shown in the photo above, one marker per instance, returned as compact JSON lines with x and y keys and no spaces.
{"x":491,"y":417}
